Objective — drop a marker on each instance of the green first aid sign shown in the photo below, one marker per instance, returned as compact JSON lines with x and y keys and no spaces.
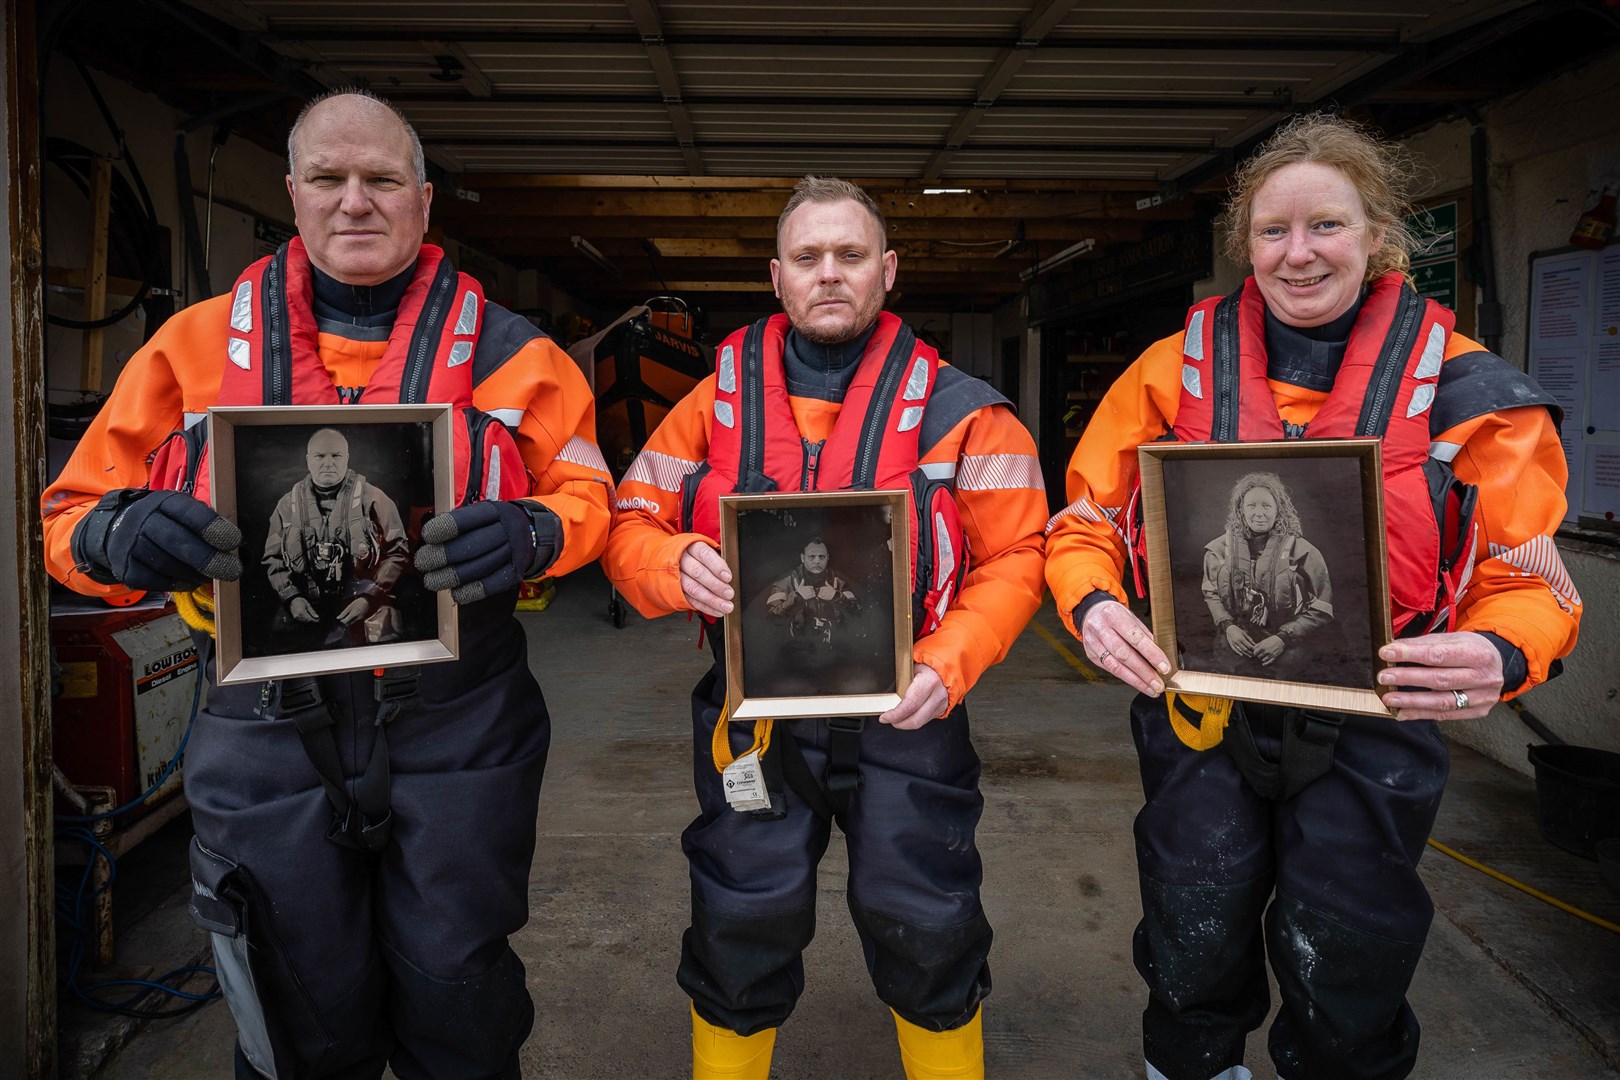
{"x":1438,"y":282}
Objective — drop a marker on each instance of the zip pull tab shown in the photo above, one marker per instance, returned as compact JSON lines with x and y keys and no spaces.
{"x":812,"y":461}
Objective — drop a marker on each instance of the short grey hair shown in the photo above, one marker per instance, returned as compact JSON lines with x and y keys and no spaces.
{"x":830,"y":189}
{"x":418,"y":159}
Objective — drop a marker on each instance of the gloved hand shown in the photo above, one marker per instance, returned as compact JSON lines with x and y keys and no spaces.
{"x":486,"y":548}
{"x":160,"y":541}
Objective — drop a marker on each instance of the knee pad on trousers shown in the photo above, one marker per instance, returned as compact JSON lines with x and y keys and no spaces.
{"x":470,"y":1028}
{"x":1344,"y":1014}
{"x":743,"y":973}
{"x":932,"y":978}
{"x":1198,"y":948}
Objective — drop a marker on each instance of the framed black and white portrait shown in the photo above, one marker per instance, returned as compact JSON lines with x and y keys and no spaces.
{"x":1268,"y":569}
{"x":822,"y":619}
{"x":330,"y":500}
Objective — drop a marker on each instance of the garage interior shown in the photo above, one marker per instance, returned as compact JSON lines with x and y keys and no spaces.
{"x":1050,"y":171}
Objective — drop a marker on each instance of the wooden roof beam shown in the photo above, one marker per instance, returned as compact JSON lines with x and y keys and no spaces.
{"x":651,"y":29}
{"x":1041,"y":20}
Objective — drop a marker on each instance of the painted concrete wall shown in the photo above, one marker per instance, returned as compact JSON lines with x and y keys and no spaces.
{"x":1548,"y":147}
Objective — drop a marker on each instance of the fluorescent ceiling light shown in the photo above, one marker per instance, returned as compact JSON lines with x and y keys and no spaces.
{"x":945,"y":190}
{"x":1068,"y":254}
{"x":587,"y":249}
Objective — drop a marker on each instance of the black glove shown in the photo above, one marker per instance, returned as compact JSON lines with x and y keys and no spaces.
{"x":486,"y":548}
{"x":160,"y":541}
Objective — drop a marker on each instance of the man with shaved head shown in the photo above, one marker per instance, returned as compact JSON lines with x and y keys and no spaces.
{"x":364,"y":839}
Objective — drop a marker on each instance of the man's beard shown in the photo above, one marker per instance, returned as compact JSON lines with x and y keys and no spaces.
{"x":859,"y":324}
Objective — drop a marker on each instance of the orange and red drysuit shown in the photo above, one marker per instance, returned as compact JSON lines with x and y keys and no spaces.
{"x":914,"y":872}
{"x":1346,"y":925}
{"x":360,"y":958}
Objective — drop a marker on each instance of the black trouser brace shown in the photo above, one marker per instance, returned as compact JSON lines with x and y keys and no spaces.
{"x":339,"y":961}
{"x":914,"y":875}
{"x":1323,"y":881}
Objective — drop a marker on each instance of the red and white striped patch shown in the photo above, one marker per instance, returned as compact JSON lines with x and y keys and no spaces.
{"x":1539,"y":558}
{"x":998,"y":472}
{"x":1086,"y":510}
{"x":578,"y":451}
{"x":663,"y":471}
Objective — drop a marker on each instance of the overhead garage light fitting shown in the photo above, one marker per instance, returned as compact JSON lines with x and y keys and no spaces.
{"x":587,"y":249}
{"x":1052,"y":262}
{"x":946,"y":191}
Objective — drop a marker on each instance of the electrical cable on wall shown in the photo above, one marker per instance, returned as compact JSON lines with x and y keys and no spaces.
{"x":72,"y":907}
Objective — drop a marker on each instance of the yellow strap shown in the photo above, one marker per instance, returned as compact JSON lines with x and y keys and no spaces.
{"x":721,"y":745}
{"x":1214,"y":713}
{"x":196,"y":608}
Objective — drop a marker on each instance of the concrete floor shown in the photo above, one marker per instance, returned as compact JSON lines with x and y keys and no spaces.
{"x":1508,"y":987}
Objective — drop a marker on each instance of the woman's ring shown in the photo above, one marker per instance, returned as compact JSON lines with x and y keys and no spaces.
{"x":1462,"y":699}
{"x":1103,"y":655}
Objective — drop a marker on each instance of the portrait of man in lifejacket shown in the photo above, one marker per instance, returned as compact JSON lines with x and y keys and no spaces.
{"x":812,"y":600}
{"x":335,"y":550}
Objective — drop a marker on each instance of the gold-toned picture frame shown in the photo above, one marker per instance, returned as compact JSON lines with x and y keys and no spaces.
{"x":821,"y":622}
{"x":396,"y":469}
{"x":1268,"y":569}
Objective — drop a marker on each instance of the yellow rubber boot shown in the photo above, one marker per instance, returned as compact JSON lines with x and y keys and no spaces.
{"x":719,"y":1054}
{"x":957,"y":1054}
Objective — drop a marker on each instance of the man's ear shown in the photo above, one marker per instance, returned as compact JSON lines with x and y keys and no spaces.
{"x":891,"y":263}
{"x":427,"y":204}
{"x":776,"y":277}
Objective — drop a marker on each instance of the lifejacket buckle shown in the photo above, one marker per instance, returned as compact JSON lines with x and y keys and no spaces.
{"x":843,"y":774}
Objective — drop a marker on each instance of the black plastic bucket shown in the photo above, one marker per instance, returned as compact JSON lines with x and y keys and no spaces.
{"x":1578,"y":788}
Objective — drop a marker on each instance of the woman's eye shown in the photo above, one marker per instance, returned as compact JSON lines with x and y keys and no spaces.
{"x":1329,"y":226}
{"x":1271,"y":232}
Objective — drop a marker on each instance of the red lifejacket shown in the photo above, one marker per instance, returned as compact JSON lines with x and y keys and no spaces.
{"x":1384,"y":388}
{"x":272,"y":359}
{"x":755,"y":446}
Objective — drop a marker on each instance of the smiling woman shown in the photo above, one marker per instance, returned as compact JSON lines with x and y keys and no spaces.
{"x":1329,"y":339}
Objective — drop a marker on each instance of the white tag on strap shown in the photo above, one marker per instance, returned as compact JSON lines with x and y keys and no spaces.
{"x":745,"y":784}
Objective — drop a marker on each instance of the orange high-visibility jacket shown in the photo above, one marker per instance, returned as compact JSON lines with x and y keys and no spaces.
{"x":998,"y":491}
{"x":1519,"y":591}
{"x":175,"y":377}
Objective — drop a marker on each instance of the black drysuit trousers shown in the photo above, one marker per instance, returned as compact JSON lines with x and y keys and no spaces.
{"x":914,"y":876}
{"x":343,"y":962}
{"x":1347,"y":912}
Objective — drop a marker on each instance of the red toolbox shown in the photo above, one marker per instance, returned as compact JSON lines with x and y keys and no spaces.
{"x":124,"y":682}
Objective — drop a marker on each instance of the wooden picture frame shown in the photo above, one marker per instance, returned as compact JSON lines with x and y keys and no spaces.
{"x":842,"y":650}
{"x":261,"y":464}
{"x":1332,"y":504}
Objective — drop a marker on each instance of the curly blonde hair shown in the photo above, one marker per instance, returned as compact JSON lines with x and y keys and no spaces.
{"x":1382,"y":173}
{"x":1287,"y":523}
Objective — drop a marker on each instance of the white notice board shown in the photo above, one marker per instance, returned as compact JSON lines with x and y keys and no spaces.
{"x":1574,"y":353}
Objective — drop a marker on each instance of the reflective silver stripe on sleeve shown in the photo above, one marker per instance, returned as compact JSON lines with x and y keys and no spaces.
{"x":510,"y":417}
{"x":580,"y":451}
{"x":995,"y":472}
{"x":938,"y":470}
{"x":192,"y":419}
{"x":1444,"y":451}
{"x":662,"y":471}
